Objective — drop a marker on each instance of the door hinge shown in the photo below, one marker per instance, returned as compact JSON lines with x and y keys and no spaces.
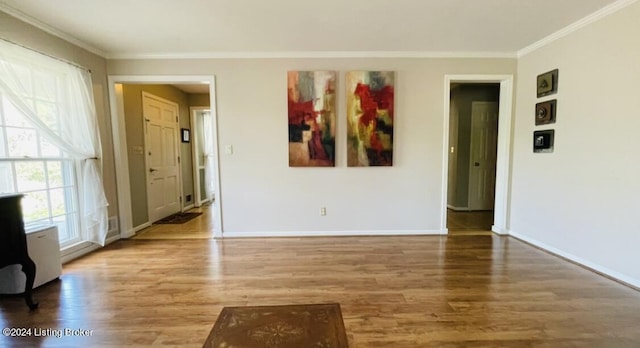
{"x":178,"y":159}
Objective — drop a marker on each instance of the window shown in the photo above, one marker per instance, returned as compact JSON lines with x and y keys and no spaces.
{"x":49,"y":144}
{"x":32,"y":166}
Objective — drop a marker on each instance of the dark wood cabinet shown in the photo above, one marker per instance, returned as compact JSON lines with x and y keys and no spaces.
{"x":13,"y":243}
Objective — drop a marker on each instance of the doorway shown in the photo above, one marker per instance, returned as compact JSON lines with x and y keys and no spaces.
{"x":202,"y":150}
{"x":123,"y":147}
{"x":472,"y":157}
{"x":476,"y":162}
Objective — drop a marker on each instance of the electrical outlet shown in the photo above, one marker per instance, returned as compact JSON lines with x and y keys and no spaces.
{"x":323,"y":211}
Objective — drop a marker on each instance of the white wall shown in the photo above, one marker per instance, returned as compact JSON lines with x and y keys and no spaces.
{"x":581,"y":201}
{"x":261,"y":194}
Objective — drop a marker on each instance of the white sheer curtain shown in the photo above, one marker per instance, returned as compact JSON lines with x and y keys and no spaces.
{"x":26,"y":77}
{"x":209,"y":184}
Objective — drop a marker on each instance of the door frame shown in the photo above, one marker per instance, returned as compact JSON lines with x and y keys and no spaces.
{"x":198,"y":201}
{"x":147,"y":165}
{"x":503,"y":161}
{"x":121,"y":157}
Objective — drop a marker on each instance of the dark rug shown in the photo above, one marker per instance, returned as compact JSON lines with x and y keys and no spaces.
{"x":291,"y":326}
{"x":178,"y":218}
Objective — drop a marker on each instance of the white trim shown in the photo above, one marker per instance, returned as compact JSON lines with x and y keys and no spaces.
{"x":591,"y":18}
{"x":49,"y":29}
{"x":501,"y":213}
{"x":453,"y":207}
{"x":503,"y":161}
{"x":333,"y":233}
{"x":141,"y":227}
{"x":590,"y":265}
{"x":121,"y":158}
{"x":190,"y":206}
{"x":120,"y":144}
{"x":313,"y":54}
{"x":213,"y":108}
{"x":500,"y":231}
{"x":82,"y":249}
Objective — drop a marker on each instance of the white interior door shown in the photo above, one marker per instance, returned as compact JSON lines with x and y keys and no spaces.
{"x":162,"y":157}
{"x":482,"y":166}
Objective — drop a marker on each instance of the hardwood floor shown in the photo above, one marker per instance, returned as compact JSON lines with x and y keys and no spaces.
{"x":198,"y":228}
{"x":469,"y":222}
{"x":412,"y":291}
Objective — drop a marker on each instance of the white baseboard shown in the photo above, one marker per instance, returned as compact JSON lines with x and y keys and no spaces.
{"x":132,"y":232}
{"x":85,"y":248}
{"x":129,"y":234}
{"x":140,"y":227}
{"x":452,"y":207}
{"x":635,"y":283}
{"x":190,"y":206}
{"x":499,"y":230}
{"x":331,"y":233}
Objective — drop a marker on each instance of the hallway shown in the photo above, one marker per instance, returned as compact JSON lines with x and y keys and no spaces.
{"x":469,"y":222}
{"x":200,"y":227}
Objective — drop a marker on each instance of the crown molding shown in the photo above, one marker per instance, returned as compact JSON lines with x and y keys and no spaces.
{"x":594,"y":17}
{"x":49,"y":29}
{"x":311,"y":54}
{"x":603,"y":12}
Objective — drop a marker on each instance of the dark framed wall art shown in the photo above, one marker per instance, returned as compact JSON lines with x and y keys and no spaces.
{"x":185,"y":135}
{"x":546,"y":112}
{"x":547,"y":83}
{"x":543,"y":140}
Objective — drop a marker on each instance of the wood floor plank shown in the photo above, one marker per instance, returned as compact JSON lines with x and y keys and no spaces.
{"x":469,"y":222}
{"x":410,"y":291}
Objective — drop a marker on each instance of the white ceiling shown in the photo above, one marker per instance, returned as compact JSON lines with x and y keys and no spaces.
{"x":228,"y":28}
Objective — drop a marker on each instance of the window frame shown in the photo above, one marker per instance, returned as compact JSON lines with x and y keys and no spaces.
{"x":69,"y":230}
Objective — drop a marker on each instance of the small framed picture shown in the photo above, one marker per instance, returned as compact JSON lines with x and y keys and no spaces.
{"x":186,"y":135}
{"x":547,"y":83}
{"x":543,"y":141}
{"x":546,"y":112}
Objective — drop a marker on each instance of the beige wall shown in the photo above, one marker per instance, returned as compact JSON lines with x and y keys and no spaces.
{"x":261,"y":194}
{"x":582,"y":199}
{"x":256,"y":180}
{"x":199,"y":99}
{"x":135,"y":139}
{"x":24,"y":34}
